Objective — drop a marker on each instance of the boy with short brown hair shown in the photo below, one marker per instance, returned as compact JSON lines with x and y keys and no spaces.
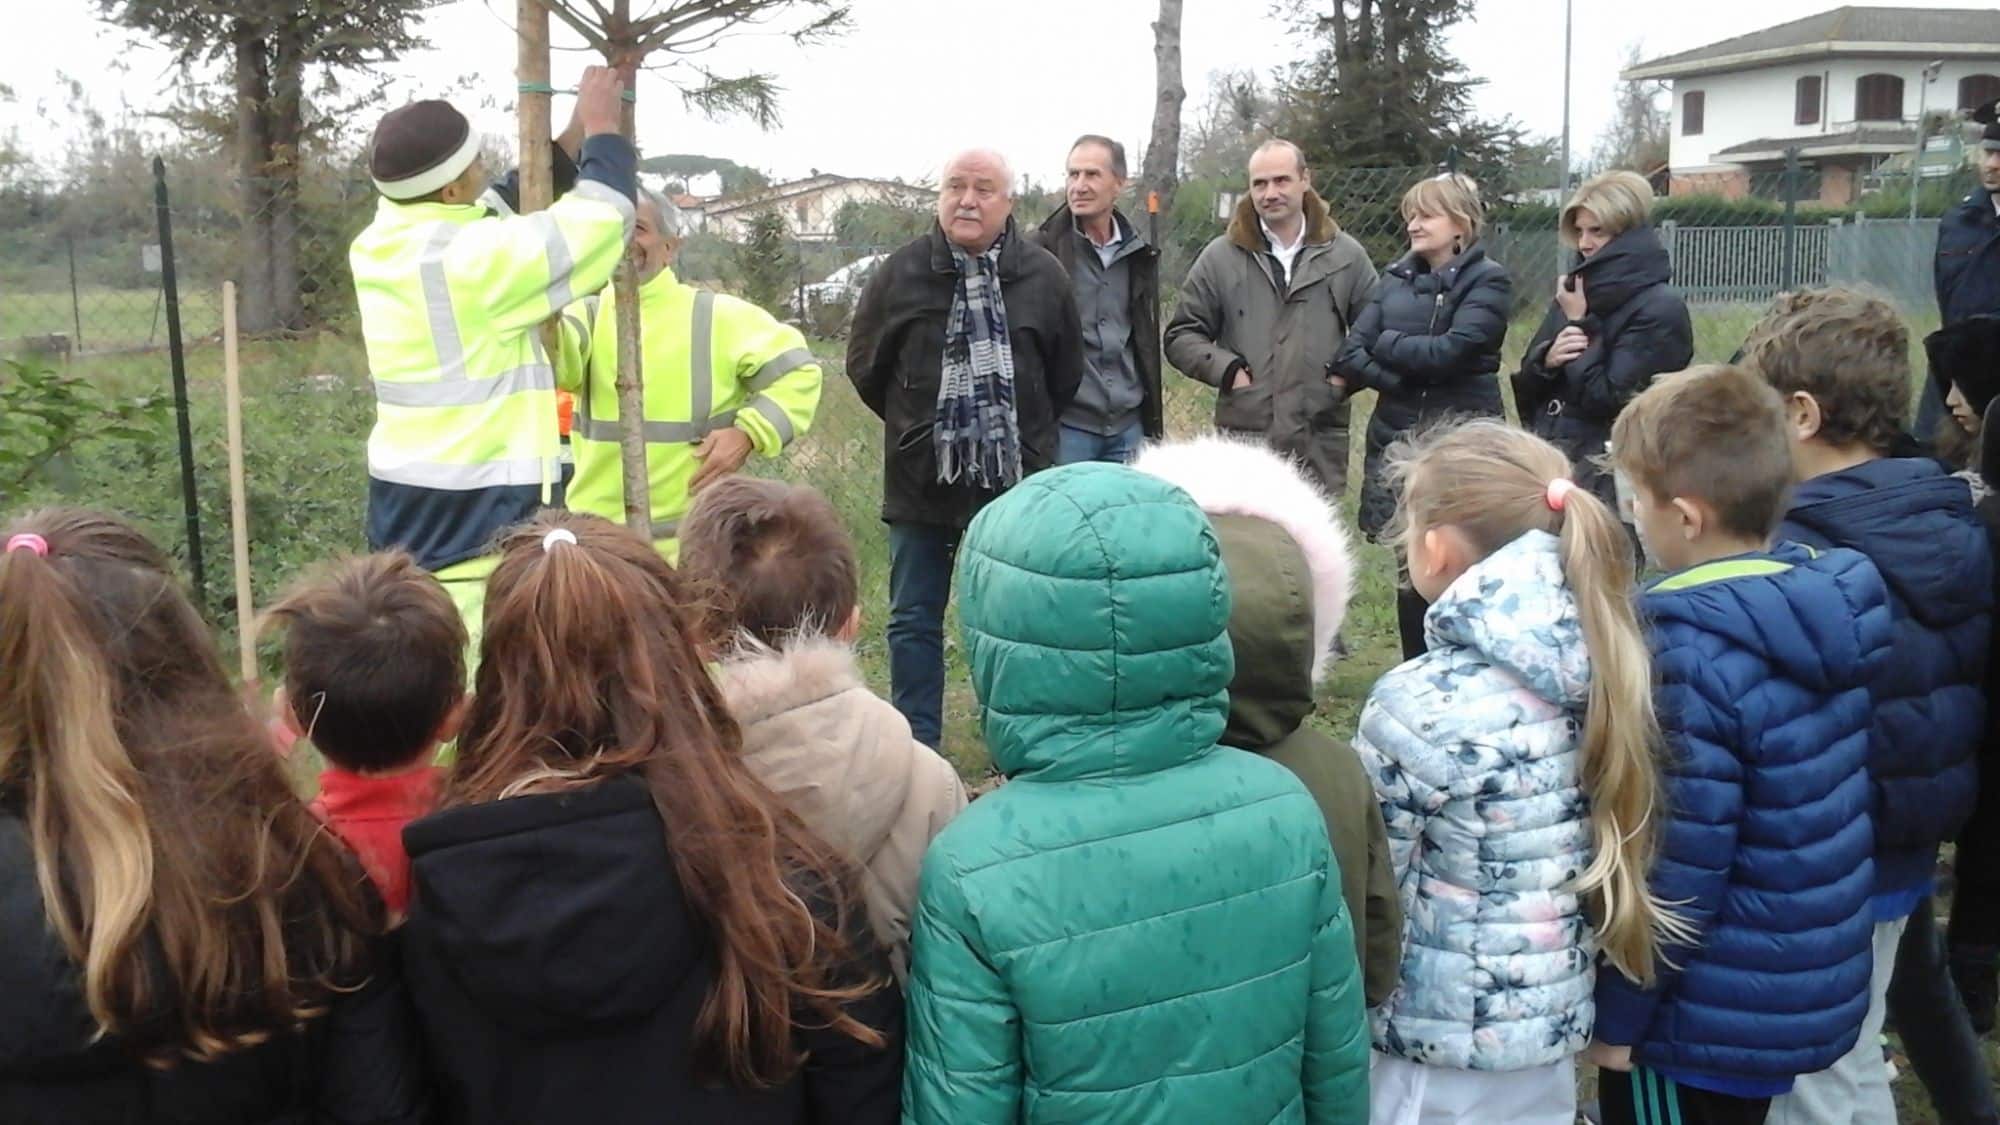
{"x":1841,"y":360}
{"x":781,"y":572}
{"x":375,"y":679}
{"x":1763,"y":656}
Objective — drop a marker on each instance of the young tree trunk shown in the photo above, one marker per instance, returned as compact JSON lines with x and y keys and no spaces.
{"x":630,"y":382}
{"x":1163,"y":150}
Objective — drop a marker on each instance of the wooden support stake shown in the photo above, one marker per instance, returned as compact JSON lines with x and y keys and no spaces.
{"x":531,"y":69}
{"x":239,"y":495}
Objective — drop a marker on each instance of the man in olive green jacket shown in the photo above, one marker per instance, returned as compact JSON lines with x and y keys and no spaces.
{"x":1291,"y":572}
{"x":1265,"y":310}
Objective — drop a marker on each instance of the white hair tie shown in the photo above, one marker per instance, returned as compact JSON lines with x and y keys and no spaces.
{"x":559,"y":535}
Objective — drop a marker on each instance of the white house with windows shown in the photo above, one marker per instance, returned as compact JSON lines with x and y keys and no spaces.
{"x":1845,"y":87}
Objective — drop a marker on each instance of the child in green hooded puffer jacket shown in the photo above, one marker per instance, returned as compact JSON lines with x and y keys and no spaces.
{"x":1143,"y":925}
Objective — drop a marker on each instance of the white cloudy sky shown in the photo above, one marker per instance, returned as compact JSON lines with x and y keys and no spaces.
{"x":916,"y":78}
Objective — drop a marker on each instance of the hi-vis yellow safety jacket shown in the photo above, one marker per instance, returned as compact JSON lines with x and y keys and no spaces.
{"x":465,"y":440}
{"x":709,"y":361}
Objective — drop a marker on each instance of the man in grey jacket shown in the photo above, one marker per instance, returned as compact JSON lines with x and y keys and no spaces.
{"x":1264,"y":311}
{"x":1115,"y":274}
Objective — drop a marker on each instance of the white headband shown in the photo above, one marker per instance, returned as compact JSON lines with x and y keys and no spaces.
{"x":431,"y":179}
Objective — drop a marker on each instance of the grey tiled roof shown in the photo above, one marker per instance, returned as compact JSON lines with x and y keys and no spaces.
{"x":1889,"y":135}
{"x":1852,"y":25}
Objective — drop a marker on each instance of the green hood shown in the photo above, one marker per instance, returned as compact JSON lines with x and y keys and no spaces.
{"x":1095,"y":610}
{"x":1271,"y":629}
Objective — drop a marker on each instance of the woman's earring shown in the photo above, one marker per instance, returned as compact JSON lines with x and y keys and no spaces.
{"x":1458,"y":244}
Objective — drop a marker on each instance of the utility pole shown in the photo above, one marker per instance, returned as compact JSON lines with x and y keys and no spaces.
{"x":1562,"y":174}
{"x":1923,"y":109}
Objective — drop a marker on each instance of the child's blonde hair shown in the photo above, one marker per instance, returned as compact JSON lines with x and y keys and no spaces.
{"x":1491,"y":482}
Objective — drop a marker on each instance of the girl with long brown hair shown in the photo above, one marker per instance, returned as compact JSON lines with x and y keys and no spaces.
{"x":1515,"y":762}
{"x":183,"y":942}
{"x":614,"y":920}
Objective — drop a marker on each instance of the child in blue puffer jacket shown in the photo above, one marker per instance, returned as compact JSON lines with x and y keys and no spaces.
{"x":1764,"y":659}
{"x":1514,"y":763}
{"x":1841,"y":361}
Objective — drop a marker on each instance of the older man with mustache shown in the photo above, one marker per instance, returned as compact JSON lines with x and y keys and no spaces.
{"x":966,"y":344}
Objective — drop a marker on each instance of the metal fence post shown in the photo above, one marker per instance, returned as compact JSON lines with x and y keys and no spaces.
{"x":178,"y":362}
{"x":1789,"y":272}
{"x":75,"y":307}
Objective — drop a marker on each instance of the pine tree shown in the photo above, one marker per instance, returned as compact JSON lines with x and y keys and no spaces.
{"x":1381,"y":83}
{"x":1383,"y":90}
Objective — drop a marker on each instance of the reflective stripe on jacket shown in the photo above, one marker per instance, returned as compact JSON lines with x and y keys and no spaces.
{"x":465,"y":439}
{"x":709,"y":361}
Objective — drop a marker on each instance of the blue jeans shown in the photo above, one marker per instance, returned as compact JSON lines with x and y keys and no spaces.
{"x":920,"y":564}
{"x":1083,"y":445}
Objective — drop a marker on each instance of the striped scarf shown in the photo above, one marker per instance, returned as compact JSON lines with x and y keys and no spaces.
{"x":977,"y":434}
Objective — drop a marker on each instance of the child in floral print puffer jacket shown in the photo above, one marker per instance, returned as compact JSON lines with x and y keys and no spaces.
{"x":1514,"y":762}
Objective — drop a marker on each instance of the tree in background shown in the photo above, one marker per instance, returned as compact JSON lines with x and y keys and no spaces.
{"x":1233,"y":119}
{"x":878,"y":224}
{"x":765,"y":261}
{"x":1637,"y":136}
{"x":1382,"y":90}
{"x":1380,"y":86}
{"x":271,"y":47}
{"x":1163,"y":151}
{"x":735,"y":178}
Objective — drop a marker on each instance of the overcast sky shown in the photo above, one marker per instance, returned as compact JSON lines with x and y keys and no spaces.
{"x":916,"y":78}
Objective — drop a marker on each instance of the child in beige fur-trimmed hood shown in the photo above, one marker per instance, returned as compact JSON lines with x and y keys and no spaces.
{"x":780,"y":570}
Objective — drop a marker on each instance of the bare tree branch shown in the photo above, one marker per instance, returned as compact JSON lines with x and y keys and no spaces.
{"x":584,"y":26}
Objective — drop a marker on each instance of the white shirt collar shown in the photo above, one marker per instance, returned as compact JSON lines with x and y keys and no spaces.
{"x":1282,"y":247}
{"x":1117,"y":232}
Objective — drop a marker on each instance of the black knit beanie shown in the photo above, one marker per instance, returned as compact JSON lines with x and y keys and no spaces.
{"x":420,"y":148}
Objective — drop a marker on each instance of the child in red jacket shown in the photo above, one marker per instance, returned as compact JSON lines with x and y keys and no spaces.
{"x":375,"y":679}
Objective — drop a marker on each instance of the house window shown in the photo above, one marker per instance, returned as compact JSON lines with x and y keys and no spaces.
{"x":1805,"y":109}
{"x":1975,"y":90}
{"x":1691,"y":113}
{"x":1878,"y":97}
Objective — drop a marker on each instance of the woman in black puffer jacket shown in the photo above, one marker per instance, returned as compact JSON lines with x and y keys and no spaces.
{"x":1428,"y":345}
{"x":1614,"y":324}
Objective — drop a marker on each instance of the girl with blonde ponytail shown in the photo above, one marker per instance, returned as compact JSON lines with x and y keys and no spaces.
{"x":1515,"y":762}
{"x":182,"y":942}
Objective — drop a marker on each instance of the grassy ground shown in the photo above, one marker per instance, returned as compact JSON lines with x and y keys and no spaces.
{"x":308,"y":409}
{"x":101,"y":318}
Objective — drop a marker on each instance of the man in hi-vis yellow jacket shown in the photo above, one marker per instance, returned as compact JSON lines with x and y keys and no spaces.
{"x":465,"y":441}
{"x":723,"y":379}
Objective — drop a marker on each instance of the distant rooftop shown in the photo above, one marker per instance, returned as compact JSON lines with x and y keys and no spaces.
{"x":1930,"y":32}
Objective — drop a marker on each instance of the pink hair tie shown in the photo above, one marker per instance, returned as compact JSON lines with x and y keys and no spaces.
{"x":1558,"y":493}
{"x":29,"y":541}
